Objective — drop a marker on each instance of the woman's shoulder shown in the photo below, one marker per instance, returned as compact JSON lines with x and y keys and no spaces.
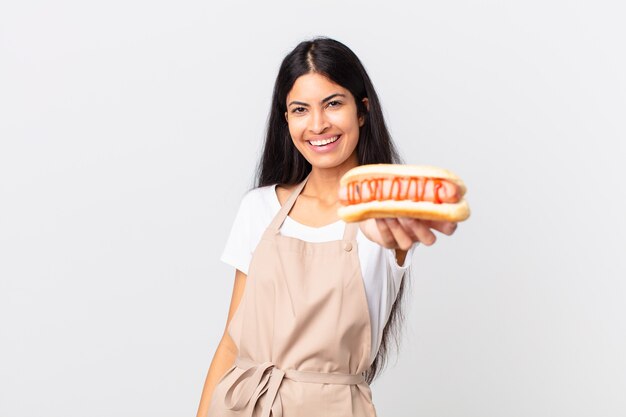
{"x":270,"y":194}
{"x":256,"y":208}
{"x":259,"y":197}
{"x":283,"y":191}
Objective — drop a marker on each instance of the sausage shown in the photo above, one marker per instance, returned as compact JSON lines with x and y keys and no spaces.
{"x":434,"y":190}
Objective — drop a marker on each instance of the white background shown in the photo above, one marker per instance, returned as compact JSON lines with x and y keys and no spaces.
{"x":129,"y":130}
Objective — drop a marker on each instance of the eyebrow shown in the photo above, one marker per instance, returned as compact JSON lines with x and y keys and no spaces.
{"x":323,"y":101}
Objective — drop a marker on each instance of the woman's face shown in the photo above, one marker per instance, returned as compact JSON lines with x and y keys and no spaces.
{"x":323,"y":121}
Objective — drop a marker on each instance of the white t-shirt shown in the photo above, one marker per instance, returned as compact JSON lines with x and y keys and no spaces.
{"x":381,"y":273}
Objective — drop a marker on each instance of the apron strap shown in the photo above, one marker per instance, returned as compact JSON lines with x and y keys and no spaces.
{"x":257,"y":388}
{"x":274,"y":227}
{"x":349,"y":233}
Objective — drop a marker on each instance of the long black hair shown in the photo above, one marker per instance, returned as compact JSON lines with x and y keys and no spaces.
{"x":282,"y":163}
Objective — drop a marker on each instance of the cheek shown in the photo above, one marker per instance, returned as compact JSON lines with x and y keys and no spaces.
{"x":296,"y":127}
{"x":296,"y":134}
{"x":347,"y":121}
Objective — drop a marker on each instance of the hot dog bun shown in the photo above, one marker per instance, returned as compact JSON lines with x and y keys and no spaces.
{"x":395,"y":190}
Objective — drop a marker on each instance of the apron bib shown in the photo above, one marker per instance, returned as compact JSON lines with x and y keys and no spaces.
{"x":302,"y":330}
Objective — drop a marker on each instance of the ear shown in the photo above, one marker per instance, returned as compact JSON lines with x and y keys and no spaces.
{"x":286,"y":118}
{"x":367,"y":106}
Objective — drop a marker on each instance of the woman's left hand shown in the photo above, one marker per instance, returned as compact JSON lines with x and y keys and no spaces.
{"x":402,"y":232}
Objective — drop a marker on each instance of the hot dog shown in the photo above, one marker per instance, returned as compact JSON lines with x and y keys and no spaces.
{"x":395,"y":190}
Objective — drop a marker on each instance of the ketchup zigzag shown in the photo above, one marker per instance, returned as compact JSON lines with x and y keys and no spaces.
{"x":397,"y":192}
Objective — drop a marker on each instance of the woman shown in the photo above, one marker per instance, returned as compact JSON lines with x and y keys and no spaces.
{"x":310,"y":331}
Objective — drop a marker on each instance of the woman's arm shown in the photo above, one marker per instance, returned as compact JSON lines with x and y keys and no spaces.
{"x":226,"y":351}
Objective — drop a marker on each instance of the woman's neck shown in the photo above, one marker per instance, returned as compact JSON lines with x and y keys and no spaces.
{"x":323,"y":183}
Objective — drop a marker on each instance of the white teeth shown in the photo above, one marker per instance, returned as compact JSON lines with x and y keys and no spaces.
{"x":323,"y":142}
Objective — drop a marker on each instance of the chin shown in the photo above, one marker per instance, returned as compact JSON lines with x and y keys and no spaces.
{"x":327,"y":164}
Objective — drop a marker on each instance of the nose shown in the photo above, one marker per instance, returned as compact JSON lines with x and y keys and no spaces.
{"x":318,"y":122}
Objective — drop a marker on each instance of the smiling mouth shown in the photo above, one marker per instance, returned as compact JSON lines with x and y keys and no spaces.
{"x":324,"y":141}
